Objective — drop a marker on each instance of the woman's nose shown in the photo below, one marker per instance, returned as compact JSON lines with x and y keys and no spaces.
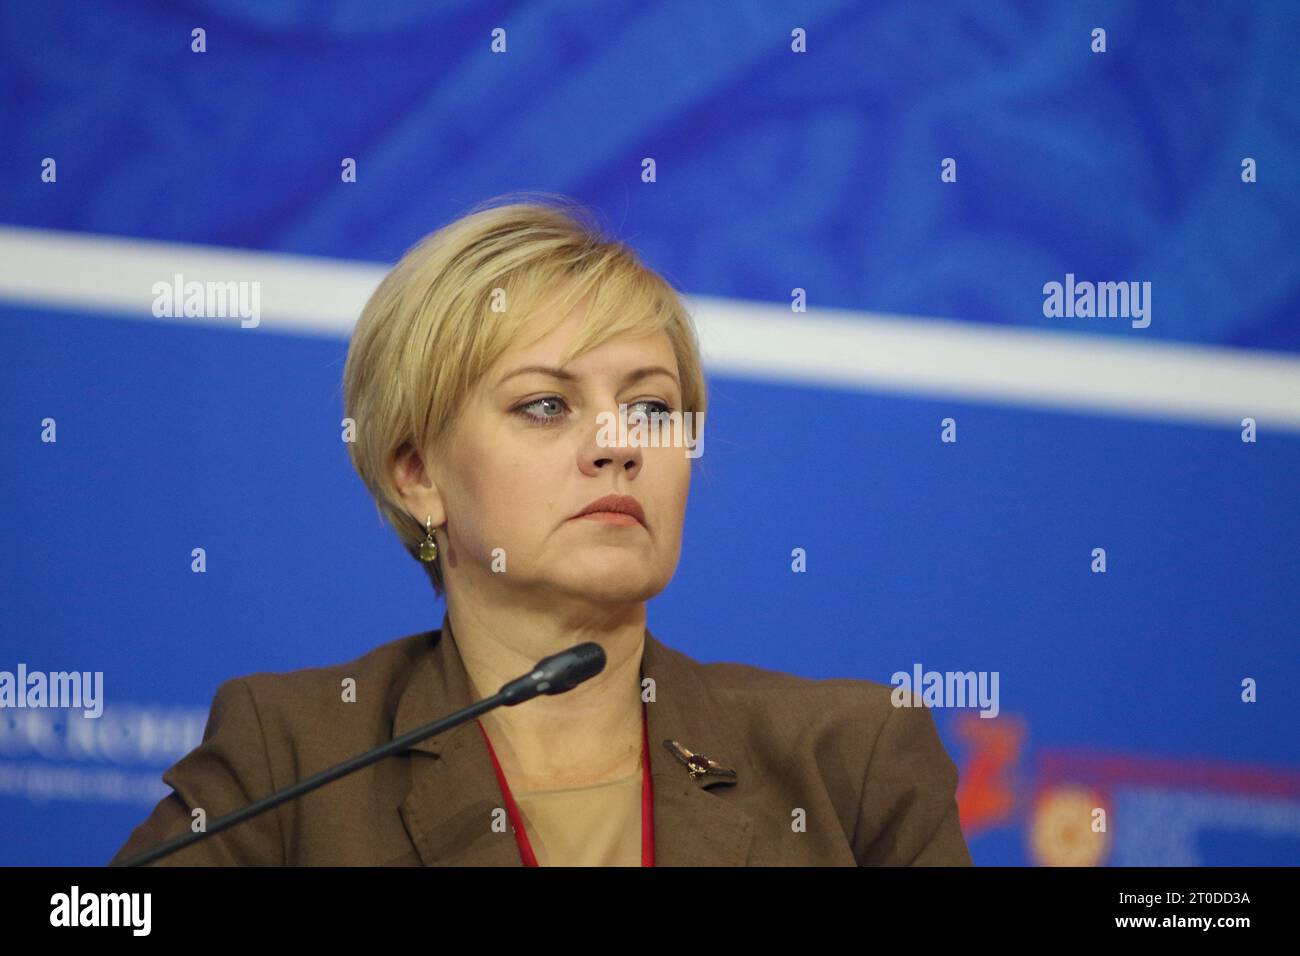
{"x":610,"y":442}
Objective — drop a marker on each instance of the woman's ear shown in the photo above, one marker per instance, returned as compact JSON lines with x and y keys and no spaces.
{"x":419,"y":491}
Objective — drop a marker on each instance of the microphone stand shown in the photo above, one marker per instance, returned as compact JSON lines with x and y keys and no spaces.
{"x":552,"y":675}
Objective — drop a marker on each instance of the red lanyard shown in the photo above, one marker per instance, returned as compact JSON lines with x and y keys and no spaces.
{"x":647,"y":802}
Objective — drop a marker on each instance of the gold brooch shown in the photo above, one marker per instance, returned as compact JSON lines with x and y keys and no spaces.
{"x":697,"y":764}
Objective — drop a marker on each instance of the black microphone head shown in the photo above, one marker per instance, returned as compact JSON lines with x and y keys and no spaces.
{"x":567,"y":669}
{"x":556,"y":674}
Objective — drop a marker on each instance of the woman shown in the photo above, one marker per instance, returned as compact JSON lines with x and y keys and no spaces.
{"x":481,"y":380}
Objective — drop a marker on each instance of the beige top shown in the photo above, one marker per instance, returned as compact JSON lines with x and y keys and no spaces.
{"x":595,"y":825}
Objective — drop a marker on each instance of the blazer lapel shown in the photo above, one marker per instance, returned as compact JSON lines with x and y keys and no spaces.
{"x":453,"y":793}
{"x":448,"y":811}
{"x":698,"y":822}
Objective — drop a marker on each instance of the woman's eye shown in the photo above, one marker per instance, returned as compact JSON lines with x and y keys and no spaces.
{"x":551,"y":409}
{"x":543,"y":419}
{"x":658,"y":407}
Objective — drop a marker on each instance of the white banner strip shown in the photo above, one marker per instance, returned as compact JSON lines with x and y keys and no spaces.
{"x":297,"y":294}
{"x":1121,"y":374}
{"x":1102,"y":373}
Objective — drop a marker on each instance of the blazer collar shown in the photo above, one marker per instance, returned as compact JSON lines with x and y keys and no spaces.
{"x":453,"y":791}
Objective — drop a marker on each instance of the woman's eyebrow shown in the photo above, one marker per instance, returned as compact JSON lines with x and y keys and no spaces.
{"x":564,"y":376}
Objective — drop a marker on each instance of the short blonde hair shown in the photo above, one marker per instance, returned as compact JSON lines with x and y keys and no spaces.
{"x":429,"y":331}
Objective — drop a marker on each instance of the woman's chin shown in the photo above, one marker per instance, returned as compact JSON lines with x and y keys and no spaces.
{"x":612,"y":583}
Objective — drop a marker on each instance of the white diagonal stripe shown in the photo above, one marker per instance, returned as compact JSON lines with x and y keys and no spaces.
{"x":1067,"y":370}
{"x":823,"y":348}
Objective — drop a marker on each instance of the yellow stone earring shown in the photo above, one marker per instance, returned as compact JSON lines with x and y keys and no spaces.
{"x":428,"y":547}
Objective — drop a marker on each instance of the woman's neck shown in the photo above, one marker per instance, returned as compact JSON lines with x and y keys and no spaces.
{"x":590,"y":734}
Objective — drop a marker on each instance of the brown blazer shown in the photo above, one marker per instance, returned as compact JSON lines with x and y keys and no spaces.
{"x":874,"y":781}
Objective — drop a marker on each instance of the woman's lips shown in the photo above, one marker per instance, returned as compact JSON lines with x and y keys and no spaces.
{"x":609,"y":517}
{"x":614,"y":506}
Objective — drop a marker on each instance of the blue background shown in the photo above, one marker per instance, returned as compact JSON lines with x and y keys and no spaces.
{"x":775,"y":170}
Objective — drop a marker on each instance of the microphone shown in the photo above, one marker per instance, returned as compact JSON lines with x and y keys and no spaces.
{"x":556,"y":674}
{"x":551,"y":675}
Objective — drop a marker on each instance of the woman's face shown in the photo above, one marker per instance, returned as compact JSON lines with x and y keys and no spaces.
{"x":525,"y":456}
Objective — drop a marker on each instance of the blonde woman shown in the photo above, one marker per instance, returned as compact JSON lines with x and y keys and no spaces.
{"x":495,"y":379}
